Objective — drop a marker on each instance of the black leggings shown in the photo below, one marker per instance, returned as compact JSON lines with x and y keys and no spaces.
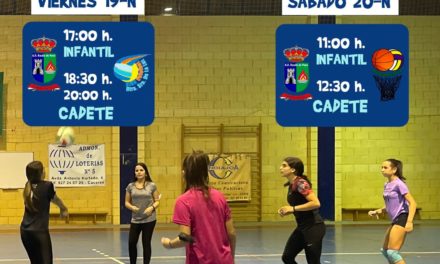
{"x":133,"y":237}
{"x":309,"y":239}
{"x":38,"y":246}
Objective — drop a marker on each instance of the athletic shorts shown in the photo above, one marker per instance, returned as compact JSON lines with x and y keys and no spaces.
{"x":401,"y":220}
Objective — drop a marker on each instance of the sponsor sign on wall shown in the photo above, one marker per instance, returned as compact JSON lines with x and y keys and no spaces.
{"x":231,"y":174}
{"x":77,"y":165}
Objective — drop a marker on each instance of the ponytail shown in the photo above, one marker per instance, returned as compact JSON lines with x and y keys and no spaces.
{"x":298,"y":165}
{"x":399,"y":168}
{"x":34,"y":173}
{"x":304,"y":177}
{"x":27,"y":196}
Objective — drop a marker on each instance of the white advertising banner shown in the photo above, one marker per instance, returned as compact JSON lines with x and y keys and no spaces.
{"x":88,"y":7}
{"x":77,"y":165}
{"x":340,"y":7}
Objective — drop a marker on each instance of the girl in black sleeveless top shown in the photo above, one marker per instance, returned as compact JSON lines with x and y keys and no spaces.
{"x":34,"y":228}
{"x":303,"y":204}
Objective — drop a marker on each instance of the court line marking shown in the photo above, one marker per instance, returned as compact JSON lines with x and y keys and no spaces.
{"x":239,"y":256}
{"x":107,"y":256}
{"x":341,"y":254}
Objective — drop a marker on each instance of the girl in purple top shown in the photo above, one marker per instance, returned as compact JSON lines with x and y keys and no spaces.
{"x":401,"y":208}
{"x":203,"y":216}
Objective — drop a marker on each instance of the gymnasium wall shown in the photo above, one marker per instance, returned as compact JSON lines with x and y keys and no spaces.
{"x":221,"y":70}
{"x":361,"y":150}
{"x":212,"y":71}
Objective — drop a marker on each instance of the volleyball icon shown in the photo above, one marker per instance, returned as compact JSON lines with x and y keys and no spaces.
{"x":125,"y":72}
{"x":133,"y":71}
{"x":65,"y":136}
{"x":129,"y":68}
{"x":398,"y":60}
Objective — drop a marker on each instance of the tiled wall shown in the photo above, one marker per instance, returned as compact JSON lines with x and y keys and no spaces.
{"x":221,"y":70}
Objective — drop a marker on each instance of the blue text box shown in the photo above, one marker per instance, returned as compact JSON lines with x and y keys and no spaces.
{"x":88,"y":74}
{"x":325,"y":75}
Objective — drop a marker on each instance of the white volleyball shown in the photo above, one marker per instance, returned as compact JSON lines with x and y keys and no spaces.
{"x":65,"y":136}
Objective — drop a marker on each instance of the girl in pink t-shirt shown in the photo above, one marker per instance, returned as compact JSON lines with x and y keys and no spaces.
{"x":203,"y":216}
{"x":401,"y":208}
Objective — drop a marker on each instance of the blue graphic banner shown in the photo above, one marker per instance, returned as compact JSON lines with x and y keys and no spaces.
{"x":88,"y":74}
{"x":342,"y":75}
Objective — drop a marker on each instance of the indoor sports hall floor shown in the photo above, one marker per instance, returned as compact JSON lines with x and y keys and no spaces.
{"x":256,"y":243}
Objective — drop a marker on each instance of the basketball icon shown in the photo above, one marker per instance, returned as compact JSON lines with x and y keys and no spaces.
{"x":382,"y":60}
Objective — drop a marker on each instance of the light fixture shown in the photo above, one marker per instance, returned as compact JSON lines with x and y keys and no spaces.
{"x":168,"y":9}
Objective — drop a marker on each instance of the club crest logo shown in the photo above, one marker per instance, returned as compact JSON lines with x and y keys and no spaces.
{"x":44,"y":64}
{"x":296,"y":74}
{"x":133,"y":71}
